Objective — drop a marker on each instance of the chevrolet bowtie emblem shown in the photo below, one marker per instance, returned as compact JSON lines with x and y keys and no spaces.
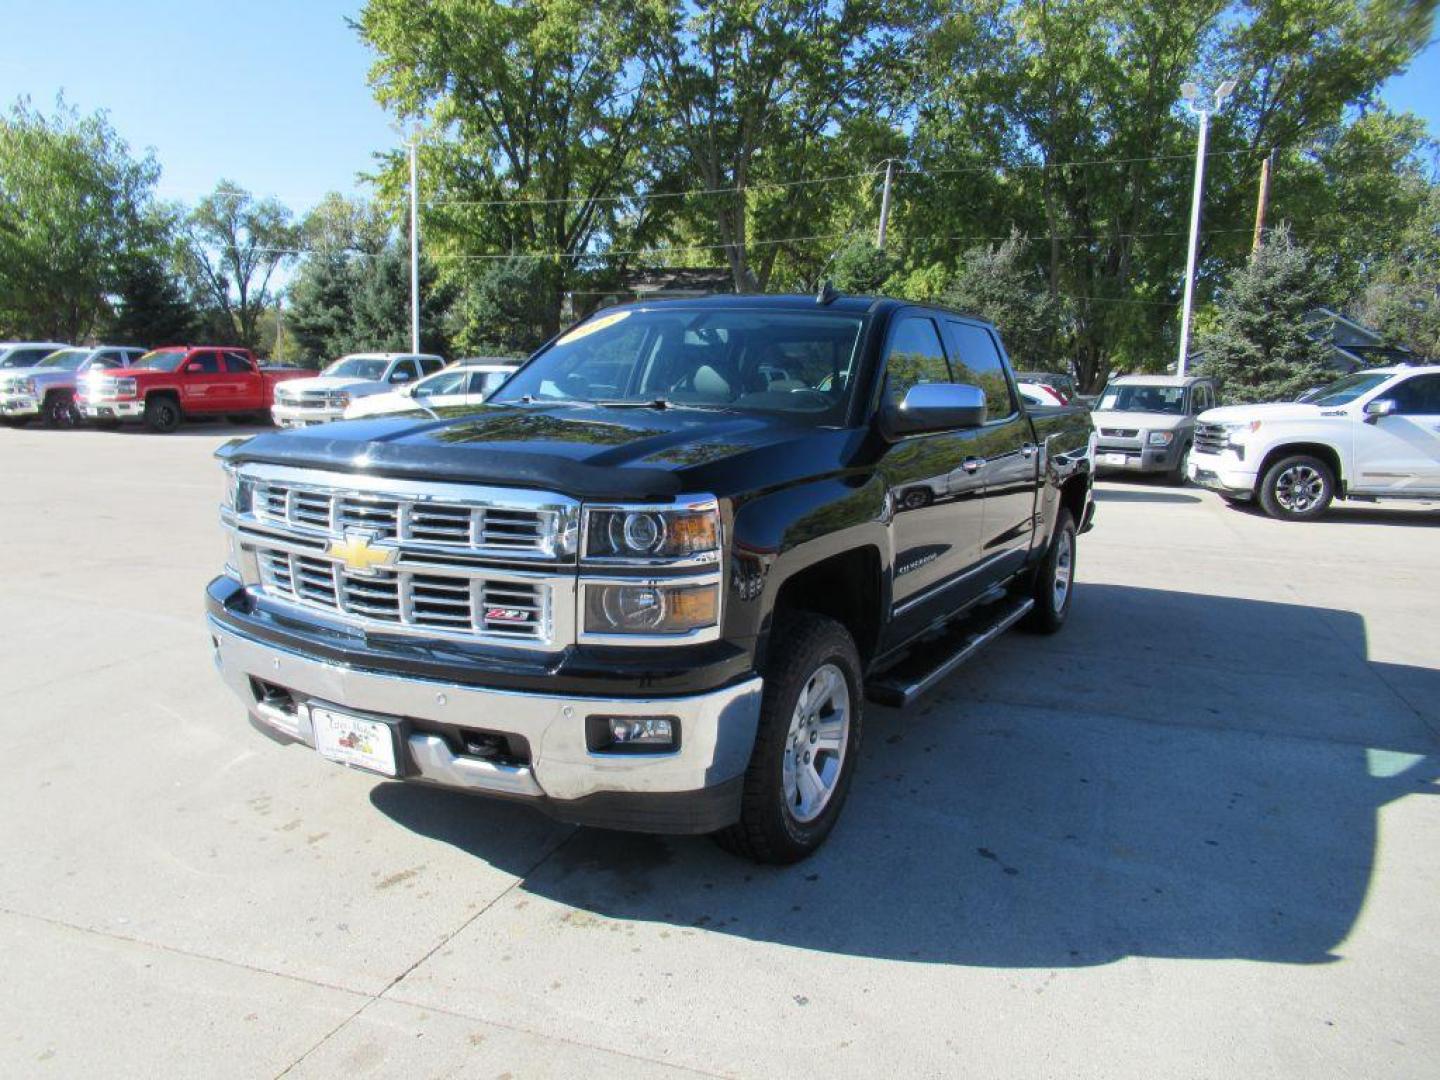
{"x":359,"y":555}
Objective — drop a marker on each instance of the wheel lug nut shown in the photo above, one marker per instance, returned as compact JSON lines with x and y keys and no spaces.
{"x":807,"y":757}
{"x":813,"y":736}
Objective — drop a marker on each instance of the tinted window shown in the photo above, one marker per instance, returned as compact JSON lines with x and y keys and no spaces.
{"x":916,"y":356}
{"x":431,"y":364}
{"x":1140,"y":397}
{"x":976,"y":360}
{"x":1419,"y":396}
{"x":404,"y":369}
{"x":27,"y":357}
{"x":236,"y":363}
{"x":204,"y":362}
{"x":449,"y":383}
{"x":744,"y":358}
{"x":487,"y":382}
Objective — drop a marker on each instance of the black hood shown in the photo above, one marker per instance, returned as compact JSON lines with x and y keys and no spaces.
{"x":585,"y":451}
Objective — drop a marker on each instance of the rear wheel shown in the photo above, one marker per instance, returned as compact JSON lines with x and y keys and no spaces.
{"x":162,"y":415}
{"x":806,"y":744}
{"x":1297,"y":488}
{"x":1053,"y":586}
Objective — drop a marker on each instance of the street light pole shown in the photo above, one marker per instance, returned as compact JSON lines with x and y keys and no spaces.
{"x":1191,"y":94}
{"x":414,"y":245}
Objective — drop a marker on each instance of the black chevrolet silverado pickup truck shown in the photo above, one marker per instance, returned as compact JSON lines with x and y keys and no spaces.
{"x":650,"y":583}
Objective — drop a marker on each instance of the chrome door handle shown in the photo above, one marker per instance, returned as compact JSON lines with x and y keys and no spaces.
{"x":973,"y":464}
{"x":1027,"y":450}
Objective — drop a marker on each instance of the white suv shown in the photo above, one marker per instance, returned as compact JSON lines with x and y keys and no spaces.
{"x":316,"y":401}
{"x":1371,"y":435}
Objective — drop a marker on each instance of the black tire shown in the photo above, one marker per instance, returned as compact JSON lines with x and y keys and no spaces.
{"x":59,"y":411}
{"x":1051,"y":608}
{"x":770,"y":829}
{"x":106,"y":424}
{"x":162,"y":415}
{"x":14,"y":421}
{"x":1297,"y":488}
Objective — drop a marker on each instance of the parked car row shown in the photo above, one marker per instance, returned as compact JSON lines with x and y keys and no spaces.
{"x":110,"y":384}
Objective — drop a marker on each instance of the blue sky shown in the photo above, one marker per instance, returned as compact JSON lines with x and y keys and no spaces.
{"x":270,"y":93}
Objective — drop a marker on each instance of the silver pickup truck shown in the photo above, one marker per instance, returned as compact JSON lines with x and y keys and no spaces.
{"x":47,"y":388}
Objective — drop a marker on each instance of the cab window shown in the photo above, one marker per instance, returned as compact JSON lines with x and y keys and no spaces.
{"x":915,"y":356}
{"x":431,"y":364}
{"x":205,"y":363}
{"x":1419,"y":396}
{"x":237,"y":364}
{"x":975,"y":360}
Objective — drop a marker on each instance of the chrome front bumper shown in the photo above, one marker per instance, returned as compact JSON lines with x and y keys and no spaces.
{"x":19,"y":405}
{"x":111,"y":410}
{"x":298,"y":416}
{"x":717,"y":733}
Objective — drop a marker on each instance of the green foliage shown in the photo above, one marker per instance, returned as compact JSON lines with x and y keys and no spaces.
{"x":503,"y":308}
{"x":1260,"y":348}
{"x":73,"y":202}
{"x":1403,"y":299}
{"x":860,"y":267}
{"x":1003,"y":284}
{"x":234,"y":243}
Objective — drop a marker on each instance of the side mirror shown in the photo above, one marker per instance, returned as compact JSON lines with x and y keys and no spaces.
{"x":935,"y":407}
{"x":1374,"y":410}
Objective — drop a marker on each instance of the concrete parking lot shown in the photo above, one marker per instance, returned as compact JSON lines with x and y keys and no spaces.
{"x":1196,"y":834}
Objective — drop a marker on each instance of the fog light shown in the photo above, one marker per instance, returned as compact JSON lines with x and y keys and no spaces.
{"x":632,"y":734}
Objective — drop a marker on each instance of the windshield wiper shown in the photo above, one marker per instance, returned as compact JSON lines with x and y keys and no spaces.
{"x":648,"y":403}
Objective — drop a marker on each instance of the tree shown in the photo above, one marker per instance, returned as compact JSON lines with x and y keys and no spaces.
{"x":1402,"y":300}
{"x":747,"y":90}
{"x":860,"y":267}
{"x":1002,"y":284}
{"x":235,"y":244}
{"x":382,"y":304}
{"x":544,"y":146}
{"x":343,"y":237}
{"x":502,"y":308}
{"x":1259,"y":347}
{"x":73,"y":204}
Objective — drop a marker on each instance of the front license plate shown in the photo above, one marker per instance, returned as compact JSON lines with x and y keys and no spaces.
{"x":354,"y":740}
{"x":1115,"y":459}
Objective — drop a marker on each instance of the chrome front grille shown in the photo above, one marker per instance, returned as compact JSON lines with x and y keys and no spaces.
{"x":508,"y":609}
{"x":1210,"y":438}
{"x":498,"y":530}
{"x":485,"y":564}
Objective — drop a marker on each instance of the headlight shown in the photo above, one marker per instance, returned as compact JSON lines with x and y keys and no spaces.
{"x":649,"y":607}
{"x":1161,"y":438}
{"x":1236,"y":429}
{"x":237,"y":490}
{"x":340,"y":398}
{"x":119,"y":388}
{"x":689,"y":532}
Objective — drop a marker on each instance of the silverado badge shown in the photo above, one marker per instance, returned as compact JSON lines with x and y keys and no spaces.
{"x":360,"y":555}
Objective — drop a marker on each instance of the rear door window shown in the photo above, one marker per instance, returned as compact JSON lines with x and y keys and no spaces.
{"x":237,"y":364}
{"x":1419,"y":396}
{"x":975,"y":359}
{"x":207,"y":363}
{"x":431,"y":364}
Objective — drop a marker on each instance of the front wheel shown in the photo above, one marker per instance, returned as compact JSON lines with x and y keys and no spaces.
{"x":806,"y":744}
{"x":162,"y":415}
{"x":60,"y":411}
{"x":1297,"y":488}
{"x":1177,"y":476}
{"x":1053,"y":586}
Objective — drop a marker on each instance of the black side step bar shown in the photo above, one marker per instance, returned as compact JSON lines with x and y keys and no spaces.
{"x":932,"y":661}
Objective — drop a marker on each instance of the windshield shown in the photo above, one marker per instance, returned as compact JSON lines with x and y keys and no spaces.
{"x":738,"y":358}
{"x":1143,"y":397}
{"x":359,"y":367}
{"x":67,"y":359}
{"x":160,"y":360}
{"x":1343,"y":391}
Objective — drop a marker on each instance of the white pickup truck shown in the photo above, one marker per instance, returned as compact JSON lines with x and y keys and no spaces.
{"x":1371,"y":435}
{"x":358,"y":375}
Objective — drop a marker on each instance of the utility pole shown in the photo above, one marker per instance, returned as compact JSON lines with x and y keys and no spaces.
{"x":885,"y":205}
{"x":1191,"y":93}
{"x":1263,"y":202}
{"x":414,"y":243}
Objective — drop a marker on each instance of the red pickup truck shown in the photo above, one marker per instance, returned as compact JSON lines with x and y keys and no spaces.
{"x":167,"y":385}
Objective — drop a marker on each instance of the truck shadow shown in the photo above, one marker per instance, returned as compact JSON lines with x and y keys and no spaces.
{"x":1064,"y":801}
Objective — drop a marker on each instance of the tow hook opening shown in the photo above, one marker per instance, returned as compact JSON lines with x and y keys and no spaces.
{"x":495,"y":747}
{"x":274,"y":697}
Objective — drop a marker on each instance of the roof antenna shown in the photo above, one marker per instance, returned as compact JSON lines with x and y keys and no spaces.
{"x":826,"y":294}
